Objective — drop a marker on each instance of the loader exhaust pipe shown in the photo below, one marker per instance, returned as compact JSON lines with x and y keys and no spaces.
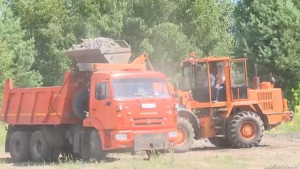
{"x":255,"y":79}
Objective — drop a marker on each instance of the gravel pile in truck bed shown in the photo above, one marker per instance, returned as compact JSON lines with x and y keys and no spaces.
{"x":96,"y":43}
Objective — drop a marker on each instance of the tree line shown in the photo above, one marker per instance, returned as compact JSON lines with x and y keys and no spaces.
{"x":34,"y":34}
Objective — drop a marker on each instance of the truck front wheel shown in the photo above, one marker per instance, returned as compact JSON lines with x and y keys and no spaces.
{"x":18,"y":146}
{"x":185,"y":136}
{"x":39,"y":148}
{"x":96,"y":146}
{"x":245,"y":129}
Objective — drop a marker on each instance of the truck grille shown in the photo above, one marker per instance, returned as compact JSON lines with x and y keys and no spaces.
{"x":157,"y":121}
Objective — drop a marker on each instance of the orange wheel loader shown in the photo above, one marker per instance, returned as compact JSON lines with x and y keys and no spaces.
{"x":217,"y":103}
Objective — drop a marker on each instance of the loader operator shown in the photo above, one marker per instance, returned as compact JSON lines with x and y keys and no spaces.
{"x":220,"y":80}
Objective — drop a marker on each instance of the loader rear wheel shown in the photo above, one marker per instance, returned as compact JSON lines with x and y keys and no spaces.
{"x":245,"y":129}
{"x":19,"y":146}
{"x":96,"y":146}
{"x":39,"y":149}
{"x":185,"y":136}
{"x":219,"y":142}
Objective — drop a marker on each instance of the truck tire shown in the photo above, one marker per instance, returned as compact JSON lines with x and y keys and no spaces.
{"x":219,"y":142}
{"x":19,"y":146}
{"x":96,"y":146}
{"x":80,"y":103}
{"x":85,"y":153}
{"x":39,"y":148}
{"x":55,"y":151}
{"x":245,"y":129}
{"x":185,"y":136}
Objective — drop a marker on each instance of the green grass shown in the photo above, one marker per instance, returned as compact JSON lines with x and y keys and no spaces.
{"x":167,"y":161}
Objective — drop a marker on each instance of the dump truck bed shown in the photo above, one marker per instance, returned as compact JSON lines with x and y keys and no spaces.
{"x":37,"y":106}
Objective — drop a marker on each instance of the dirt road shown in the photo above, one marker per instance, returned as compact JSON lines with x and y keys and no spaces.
{"x":275,"y":152}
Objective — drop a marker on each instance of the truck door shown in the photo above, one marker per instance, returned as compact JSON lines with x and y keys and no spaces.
{"x":101,"y":104}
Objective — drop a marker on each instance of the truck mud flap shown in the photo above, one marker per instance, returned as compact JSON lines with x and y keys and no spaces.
{"x":150,"y":141}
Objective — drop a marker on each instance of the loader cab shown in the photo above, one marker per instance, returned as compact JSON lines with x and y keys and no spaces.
{"x":215,"y":80}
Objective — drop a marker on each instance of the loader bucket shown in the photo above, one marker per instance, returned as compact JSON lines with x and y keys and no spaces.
{"x":118,"y":52}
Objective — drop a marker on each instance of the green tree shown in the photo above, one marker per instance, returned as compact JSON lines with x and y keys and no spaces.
{"x":207,"y":24}
{"x":268,"y":33}
{"x":57,"y":24}
{"x":16,"y":54}
{"x":167,"y":46}
{"x":47,"y":22}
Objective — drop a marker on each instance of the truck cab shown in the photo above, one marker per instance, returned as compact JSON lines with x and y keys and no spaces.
{"x":132,"y":109}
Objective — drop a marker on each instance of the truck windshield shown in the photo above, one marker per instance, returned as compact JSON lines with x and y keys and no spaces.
{"x":140,"y":88}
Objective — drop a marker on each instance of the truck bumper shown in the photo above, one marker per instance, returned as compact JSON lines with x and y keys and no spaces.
{"x":142,"y":140}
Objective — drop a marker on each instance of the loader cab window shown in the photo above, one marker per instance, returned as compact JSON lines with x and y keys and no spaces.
{"x":102,"y":91}
{"x":238,"y":73}
{"x":186,"y":76}
{"x":200,"y":82}
{"x":239,"y":80}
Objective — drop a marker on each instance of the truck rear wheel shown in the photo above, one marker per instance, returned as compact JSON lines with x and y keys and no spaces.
{"x":55,"y":151}
{"x":185,"y":136}
{"x":245,"y":129}
{"x":96,"y":146}
{"x":39,"y":148}
{"x":219,"y":142}
{"x":19,"y":146}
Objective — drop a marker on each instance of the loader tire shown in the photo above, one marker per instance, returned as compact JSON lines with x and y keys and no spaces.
{"x":219,"y":142}
{"x":96,"y":146}
{"x":185,"y":136}
{"x":39,"y":148}
{"x":245,"y":129}
{"x":80,"y":103}
{"x":19,"y":146}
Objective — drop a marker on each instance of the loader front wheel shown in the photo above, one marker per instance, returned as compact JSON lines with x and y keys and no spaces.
{"x":245,"y":129}
{"x":185,"y":136}
{"x":18,"y":146}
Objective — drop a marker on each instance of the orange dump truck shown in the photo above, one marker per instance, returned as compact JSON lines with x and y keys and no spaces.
{"x":101,"y":107}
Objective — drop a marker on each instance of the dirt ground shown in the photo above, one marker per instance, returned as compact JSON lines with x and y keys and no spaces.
{"x":281,"y":151}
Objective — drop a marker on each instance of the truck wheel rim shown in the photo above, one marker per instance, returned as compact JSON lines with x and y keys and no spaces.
{"x":248,"y":130}
{"x":181,"y":137}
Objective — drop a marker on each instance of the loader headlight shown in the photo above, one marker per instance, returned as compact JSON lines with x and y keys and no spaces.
{"x":121,"y":136}
{"x":173,"y":134}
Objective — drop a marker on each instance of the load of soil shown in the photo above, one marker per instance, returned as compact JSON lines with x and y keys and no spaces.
{"x":96,"y":43}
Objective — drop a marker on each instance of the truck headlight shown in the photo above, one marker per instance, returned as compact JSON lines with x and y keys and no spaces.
{"x":121,"y":136}
{"x":173,"y":134}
